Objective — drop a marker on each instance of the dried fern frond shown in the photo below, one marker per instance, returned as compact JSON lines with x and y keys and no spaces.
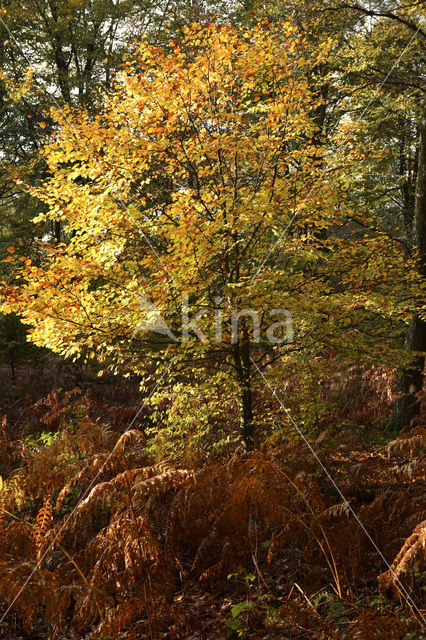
{"x":412,"y":553}
{"x":340,"y":510}
{"x":43,"y":523}
{"x":410,"y":444}
{"x":168,"y":479}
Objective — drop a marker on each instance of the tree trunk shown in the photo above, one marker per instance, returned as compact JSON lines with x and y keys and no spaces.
{"x":410,"y":382}
{"x":247,"y":425}
{"x":241,"y":354}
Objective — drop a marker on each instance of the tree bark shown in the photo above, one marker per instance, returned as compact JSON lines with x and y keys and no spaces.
{"x":241,"y":354}
{"x":247,"y":424}
{"x":410,"y":383}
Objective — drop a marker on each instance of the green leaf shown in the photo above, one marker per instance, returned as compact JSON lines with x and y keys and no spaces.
{"x":241,"y":606}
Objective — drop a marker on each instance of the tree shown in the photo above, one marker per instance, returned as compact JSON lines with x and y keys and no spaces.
{"x":411,"y":379}
{"x":200,"y":185}
{"x":53,"y":52}
{"x":379,"y":60}
{"x":396,"y":119}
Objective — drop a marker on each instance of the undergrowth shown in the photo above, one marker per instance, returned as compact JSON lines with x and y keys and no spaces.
{"x":98,"y":538}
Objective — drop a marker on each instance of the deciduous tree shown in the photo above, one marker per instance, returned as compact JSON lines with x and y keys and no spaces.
{"x":201,"y":180}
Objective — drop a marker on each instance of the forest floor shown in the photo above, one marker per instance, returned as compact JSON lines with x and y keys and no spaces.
{"x":268,"y":544}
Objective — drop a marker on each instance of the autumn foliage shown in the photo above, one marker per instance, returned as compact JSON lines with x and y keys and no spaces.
{"x":203,"y":179}
{"x":235,"y":486}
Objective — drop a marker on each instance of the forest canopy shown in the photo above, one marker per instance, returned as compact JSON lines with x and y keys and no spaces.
{"x":213,"y":324}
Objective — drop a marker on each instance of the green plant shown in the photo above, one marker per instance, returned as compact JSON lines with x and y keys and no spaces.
{"x":45,"y":439}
